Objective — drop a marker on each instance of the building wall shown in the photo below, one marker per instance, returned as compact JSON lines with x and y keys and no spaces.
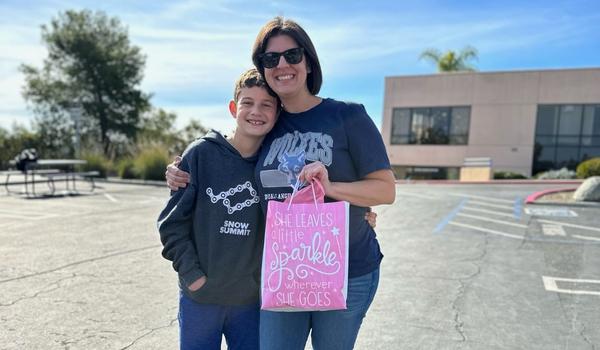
{"x":503,"y":112}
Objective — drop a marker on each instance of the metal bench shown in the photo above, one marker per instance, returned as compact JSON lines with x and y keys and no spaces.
{"x":26,"y":181}
{"x":51,"y":170}
{"x":71,"y":177}
{"x":7,"y":182}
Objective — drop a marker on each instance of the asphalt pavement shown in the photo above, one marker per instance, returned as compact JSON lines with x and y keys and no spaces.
{"x":465,"y":267}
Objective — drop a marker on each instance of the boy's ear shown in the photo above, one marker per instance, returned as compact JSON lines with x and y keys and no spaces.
{"x":233,"y":108}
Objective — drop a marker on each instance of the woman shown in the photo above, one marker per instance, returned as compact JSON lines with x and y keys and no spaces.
{"x":337,"y":143}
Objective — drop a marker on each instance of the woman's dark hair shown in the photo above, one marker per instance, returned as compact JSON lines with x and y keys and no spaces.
{"x":280,"y":26}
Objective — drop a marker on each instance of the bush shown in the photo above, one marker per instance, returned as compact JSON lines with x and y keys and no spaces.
{"x":151,"y":163}
{"x":96,"y":162}
{"x":588,"y":168}
{"x":126,"y":169}
{"x":562,"y":174}
{"x":505,"y":175}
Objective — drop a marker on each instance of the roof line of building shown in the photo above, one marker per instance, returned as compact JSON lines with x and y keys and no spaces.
{"x":495,"y":72}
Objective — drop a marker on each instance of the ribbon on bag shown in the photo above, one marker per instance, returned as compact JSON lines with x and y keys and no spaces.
{"x":305,"y":256}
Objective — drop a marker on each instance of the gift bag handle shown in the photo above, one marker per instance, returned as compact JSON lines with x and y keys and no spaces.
{"x":312,"y":186}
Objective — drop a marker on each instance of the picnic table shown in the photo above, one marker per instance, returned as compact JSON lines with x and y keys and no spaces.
{"x":51,"y":170}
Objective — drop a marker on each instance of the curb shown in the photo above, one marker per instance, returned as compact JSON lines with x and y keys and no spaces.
{"x":567,"y":204}
{"x":533,"y":199}
{"x":536,"y":195}
{"x":114,"y":180}
{"x":490,"y":182}
{"x":117,"y":180}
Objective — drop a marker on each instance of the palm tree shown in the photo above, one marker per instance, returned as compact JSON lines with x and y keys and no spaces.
{"x":451,"y":61}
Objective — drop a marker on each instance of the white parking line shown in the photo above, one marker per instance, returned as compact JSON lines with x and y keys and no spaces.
{"x":488,"y":199}
{"x":550,"y":285}
{"x":587,"y":238}
{"x":553,"y":230}
{"x":494,"y":232}
{"x":410,"y":194}
{"x":17,"y":216}
{"x":570,"y":225}
{"x":547,"y":211}
{"x":25,"y":215}
{"x":21,"y":212}
{"x":483,"y":218}
{"x":488,"y":212}
{"x":499,"y":206}
{"x":110,"y":198}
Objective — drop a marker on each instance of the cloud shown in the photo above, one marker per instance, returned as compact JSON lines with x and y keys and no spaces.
{"x":210,"y":116}
{"x":186,"y":58}
{"x":196,"y":49}
{"x":11,"y":96}
{"x":346,"y":45}
{"x":12,"y":105}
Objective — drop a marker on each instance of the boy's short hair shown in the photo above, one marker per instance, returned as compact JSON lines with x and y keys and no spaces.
{"x":252,"y":78}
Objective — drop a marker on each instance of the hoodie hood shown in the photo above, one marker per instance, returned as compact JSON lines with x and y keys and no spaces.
{"x":224,"y":145}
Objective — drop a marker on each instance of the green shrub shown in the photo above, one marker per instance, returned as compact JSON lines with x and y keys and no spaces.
{"x":151,"y":163}
{"x":505,"y":175}
{"x":126,"y":169}
{"x":562,"y":174}
{"x":588,"y":168}
{"x":96,"y":162}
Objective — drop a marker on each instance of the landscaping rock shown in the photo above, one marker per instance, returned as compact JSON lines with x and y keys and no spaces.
{"x":589,"y":190}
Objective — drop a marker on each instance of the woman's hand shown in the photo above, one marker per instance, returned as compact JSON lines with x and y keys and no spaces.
{"x":316,"y":170}
{"x":197,"y":284}
{"x":176,"y":178}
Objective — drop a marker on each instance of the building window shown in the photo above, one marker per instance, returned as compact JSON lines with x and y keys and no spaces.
{"x":431,"y":126}
{"x":565,"y":135}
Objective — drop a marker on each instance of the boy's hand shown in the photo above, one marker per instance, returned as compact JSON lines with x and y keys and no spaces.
{"x":197,"y":284}
{"x":371,"y":217}
{"x":176,"y":178}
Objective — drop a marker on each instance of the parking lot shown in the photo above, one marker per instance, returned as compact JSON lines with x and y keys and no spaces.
{"x":468,"y":268}
{"x":465,"y":267}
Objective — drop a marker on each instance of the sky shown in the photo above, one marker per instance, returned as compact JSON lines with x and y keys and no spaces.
{"x":195,"y":50}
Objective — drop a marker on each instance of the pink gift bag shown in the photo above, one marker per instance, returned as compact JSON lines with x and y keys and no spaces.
{"x":305,"y":257}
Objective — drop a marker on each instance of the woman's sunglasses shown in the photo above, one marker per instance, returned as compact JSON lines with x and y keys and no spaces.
{"x":271,"y":59}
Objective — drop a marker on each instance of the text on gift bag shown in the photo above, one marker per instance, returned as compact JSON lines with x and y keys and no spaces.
{"x":305,"y":256}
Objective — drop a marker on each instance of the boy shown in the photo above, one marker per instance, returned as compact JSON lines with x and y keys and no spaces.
{"x":212,"y":230}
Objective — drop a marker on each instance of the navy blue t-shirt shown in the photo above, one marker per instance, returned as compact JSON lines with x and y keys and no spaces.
{"x":343,"y":137}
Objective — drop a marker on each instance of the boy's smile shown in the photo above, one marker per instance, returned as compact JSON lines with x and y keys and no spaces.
{"x":255,"y":112}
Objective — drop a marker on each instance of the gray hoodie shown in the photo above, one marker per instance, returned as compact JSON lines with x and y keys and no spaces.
{"x":214,"y":227}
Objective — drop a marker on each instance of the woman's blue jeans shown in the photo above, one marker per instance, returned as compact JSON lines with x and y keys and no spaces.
{"x":331,"y":330}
